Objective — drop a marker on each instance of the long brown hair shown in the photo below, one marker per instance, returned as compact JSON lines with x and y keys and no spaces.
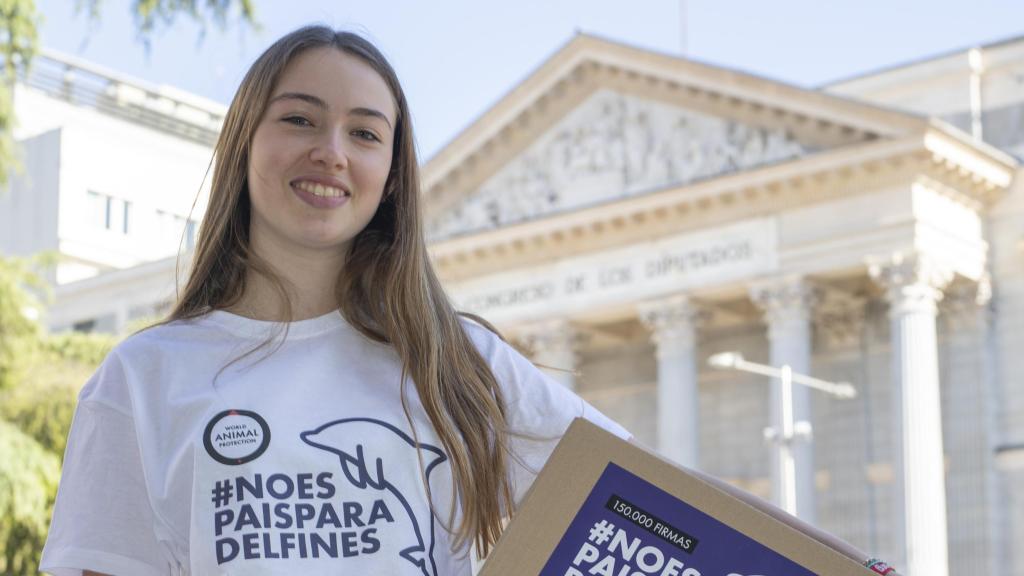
{"x":388,"y":289}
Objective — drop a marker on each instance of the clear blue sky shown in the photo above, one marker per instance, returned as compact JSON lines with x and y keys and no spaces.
{"x":457,"y":57}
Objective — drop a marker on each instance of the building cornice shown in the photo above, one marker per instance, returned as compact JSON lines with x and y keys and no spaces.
{"x":161,"y":270}
{"x":971,"y":175}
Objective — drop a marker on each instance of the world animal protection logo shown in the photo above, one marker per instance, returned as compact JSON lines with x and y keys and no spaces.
{"x":630,"y":527}
{"x":367,"y":503}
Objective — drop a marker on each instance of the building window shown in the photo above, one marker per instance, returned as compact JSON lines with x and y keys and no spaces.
{"x":190,"y":234}
{"x":178,"y":229}
{"x":127,"y":208}
{"x":109,"y":213}
{"x":84,"y":325}
{"x":185,"y":228}
{"x":108,"y":208}
{"x":98,"y":209}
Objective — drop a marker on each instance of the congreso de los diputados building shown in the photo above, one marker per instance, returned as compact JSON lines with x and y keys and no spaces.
{"x":623,"y":215}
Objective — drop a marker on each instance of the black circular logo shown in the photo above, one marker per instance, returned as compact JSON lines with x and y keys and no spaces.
{"x":236,"y":436}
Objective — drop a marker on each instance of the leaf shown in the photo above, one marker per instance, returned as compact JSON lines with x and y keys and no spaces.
{"x":153,"y":14}
{"x":19,"y":41}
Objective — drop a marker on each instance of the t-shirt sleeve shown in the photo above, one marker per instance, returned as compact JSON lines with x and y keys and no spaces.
{"x":103,"y":520}
{"x":539,"y":411}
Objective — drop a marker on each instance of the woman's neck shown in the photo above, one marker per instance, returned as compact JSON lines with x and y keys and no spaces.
{"x":263,"y":300}
{"x":309,"y":281}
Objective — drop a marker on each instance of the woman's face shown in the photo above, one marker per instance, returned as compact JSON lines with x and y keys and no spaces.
{"x":320,"y":156}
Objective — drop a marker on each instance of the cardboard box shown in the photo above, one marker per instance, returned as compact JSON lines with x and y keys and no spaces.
{"x":603,"y":506}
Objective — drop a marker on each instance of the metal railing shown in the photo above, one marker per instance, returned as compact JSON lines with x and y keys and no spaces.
{"x":83,"y":84}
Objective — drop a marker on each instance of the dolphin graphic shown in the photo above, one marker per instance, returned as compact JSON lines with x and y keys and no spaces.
{"x":346,"y":439}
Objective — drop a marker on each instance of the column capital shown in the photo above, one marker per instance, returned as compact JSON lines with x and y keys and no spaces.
{"x":839,"y":319}
{"x":784,"y":299}
{"x":965,"y":304}
{"x":548,"y":335}
{"x":913,"y":281}
{"x":672,"y":318}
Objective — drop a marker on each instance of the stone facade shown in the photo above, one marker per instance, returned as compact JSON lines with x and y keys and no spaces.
{"x":878,"y":270}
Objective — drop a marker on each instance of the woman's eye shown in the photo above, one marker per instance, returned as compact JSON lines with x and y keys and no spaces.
{"x":366,"y":135}
{"x":296,"y":120}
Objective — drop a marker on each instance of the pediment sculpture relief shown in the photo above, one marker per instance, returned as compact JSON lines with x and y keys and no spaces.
{"x":614,"y":146}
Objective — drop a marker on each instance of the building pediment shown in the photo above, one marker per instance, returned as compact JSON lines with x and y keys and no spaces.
{"x":614,"y":146}
{"x":601,"y":120}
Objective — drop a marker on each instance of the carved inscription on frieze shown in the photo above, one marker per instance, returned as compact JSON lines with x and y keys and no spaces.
{"x":632,"y":273}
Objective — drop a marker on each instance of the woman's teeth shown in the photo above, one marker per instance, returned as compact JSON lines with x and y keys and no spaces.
{"x":320,"y":190}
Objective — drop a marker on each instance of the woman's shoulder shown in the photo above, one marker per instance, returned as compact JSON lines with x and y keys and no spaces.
{"x":173,"y":344}
{"x":144,"y":359}
{"x":507,"y":362}
{"x":485,"y":337}
{"x":165,"y":335}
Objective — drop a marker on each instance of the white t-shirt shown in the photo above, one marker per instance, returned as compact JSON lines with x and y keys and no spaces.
{"x":295,"y":459}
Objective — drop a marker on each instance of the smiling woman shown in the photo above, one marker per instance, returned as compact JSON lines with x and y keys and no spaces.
{"x":378,"y":432}
{"x":320,"y":156}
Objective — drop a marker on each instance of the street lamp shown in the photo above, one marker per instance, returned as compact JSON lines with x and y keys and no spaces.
{"x":790,"y":430}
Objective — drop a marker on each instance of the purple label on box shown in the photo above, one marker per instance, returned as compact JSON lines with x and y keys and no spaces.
{"x":630,"y":527}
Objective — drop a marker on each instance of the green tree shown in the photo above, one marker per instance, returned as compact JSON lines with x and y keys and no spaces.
{"x":28,"y":487}
{"x":43,"y":403}
{"x":19,"y":332}
{"x":19,"y":42}
{"x":40,"y":375}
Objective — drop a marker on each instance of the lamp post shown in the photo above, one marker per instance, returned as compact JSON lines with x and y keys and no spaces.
{"x":791,"y":431}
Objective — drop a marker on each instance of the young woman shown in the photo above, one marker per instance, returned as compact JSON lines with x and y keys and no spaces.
{"x":313,"y":404}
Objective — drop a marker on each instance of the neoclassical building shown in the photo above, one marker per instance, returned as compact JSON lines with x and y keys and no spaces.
{"x":623,"y":214}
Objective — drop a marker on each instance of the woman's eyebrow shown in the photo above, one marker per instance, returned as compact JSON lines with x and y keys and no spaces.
{"x":299,"y":96}
{"x":319,"y":103}
{"x":370,"y":112}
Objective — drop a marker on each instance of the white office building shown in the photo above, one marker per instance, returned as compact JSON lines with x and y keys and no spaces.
{"x":110,"y":169}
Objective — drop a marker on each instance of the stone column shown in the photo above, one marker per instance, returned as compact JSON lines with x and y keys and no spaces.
{"x":969,"y":396}
{"x":673,"y":323}
{"x":552,"y":345}
{"x":787,"y":304}
{"x":914,"y":284}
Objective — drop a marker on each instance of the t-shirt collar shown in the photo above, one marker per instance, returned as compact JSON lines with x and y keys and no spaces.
{"x":252,"y":328}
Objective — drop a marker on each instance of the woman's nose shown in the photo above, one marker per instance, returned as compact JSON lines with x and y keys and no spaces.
{"x":329,"y":151}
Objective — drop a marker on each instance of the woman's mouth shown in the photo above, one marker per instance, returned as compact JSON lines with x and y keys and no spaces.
{"x":320,"y":190}
{"x":320,"y":195}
